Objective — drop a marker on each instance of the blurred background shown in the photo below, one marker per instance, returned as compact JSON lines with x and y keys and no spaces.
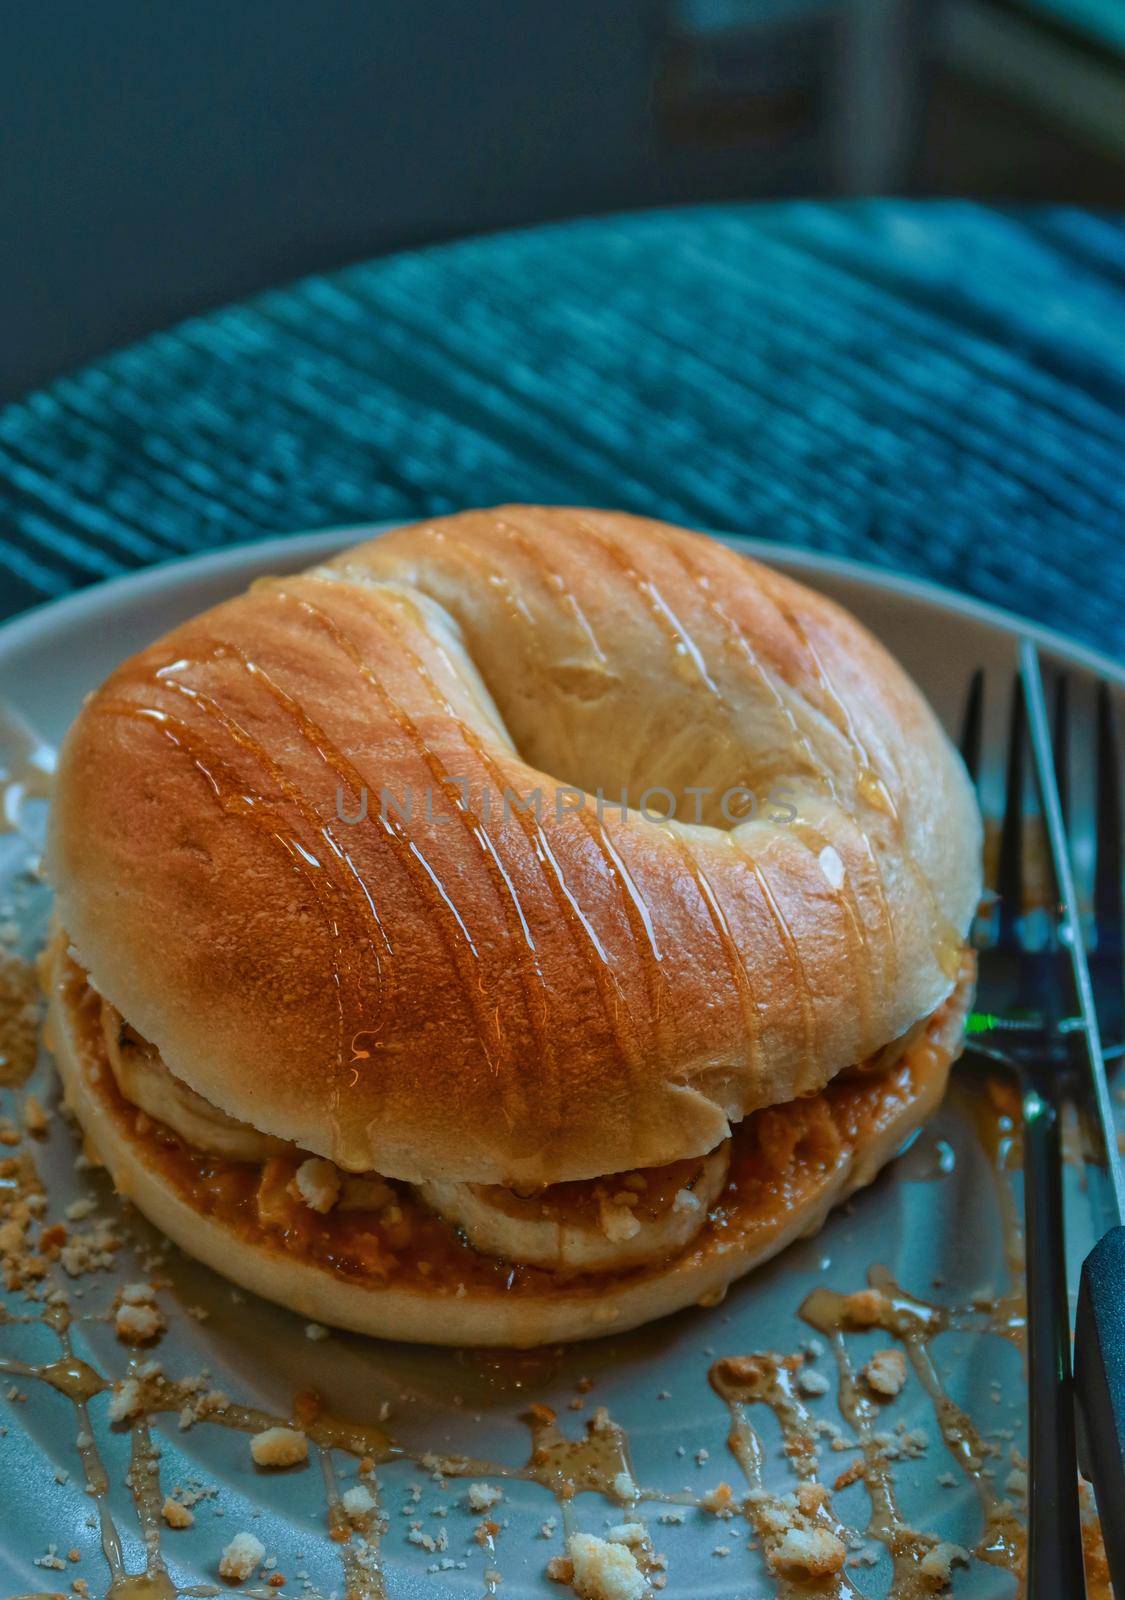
{"x":158,"y":159}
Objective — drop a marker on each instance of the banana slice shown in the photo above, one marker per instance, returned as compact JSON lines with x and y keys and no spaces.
{"x":145,"y":1081}
{"x":603,"y":1225}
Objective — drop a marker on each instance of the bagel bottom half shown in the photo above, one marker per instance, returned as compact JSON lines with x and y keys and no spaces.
{"x":789,"y":1165}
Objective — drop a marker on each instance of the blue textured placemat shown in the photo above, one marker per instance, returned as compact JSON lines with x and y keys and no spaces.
{"x":937,"y":388}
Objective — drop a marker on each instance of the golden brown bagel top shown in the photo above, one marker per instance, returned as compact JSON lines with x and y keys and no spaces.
{"x":497,"y":994}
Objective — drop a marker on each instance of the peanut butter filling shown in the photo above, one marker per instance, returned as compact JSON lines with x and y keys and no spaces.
{"x":377,"y":1231}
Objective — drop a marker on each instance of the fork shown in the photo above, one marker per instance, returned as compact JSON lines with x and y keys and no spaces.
{"x":1023,"y":984}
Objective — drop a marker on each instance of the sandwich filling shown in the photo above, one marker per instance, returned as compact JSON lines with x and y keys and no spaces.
{"x":601,"y":1225}
{"x":369,"y":1226}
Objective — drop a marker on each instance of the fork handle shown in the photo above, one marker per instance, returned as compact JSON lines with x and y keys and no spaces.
{"x":1099,"y":1377}
{"x":1054,"y":1554}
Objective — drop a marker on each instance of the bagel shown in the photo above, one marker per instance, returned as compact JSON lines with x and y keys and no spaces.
{"x":500,"y":864}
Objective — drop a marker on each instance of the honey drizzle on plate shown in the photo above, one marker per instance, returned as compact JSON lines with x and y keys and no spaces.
{"x":770,"y":1380}
{"x":914,"y":1323}
{"x":596,"y":1461}
{"x":363,"y":1579}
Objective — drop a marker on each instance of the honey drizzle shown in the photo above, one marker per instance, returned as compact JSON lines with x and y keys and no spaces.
{"x":636,"y":911}
{"x":308,"y":812}
{"x":914,"y":1323}
{"x":567,"y":1467}
{"x":789,"y":945}
{"x":155,"y":1394}
{"x":534,"y":554}
{"x":363,"y":1579}
{"x":1000,"y":1134}
{"x":474,"y":829}
{"x":144,"y":1486}
{"x":845,"y":897}
{"x":870,"y":783}
{"x":318,"y":738}
{"x":472,"y":826}
{"x":799,"y":739}
{"x":598,"y":1462}
{"x":230,"y":793}
{"x":683,"y":645}
{"x":581,"y":929}
{"x":78,"y":1382}
{"x":770,"y":1380}
{"x":946,"y":942}
{"x":747,"y":996}
{"x":641,"y":925}
{"x":904,"y":1544}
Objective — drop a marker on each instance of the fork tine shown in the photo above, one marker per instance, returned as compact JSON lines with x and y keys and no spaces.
{"x":972,"y":726}
{"x":1054,"y":1555}
{"x":1009,"y":874}
{"x":1060,"y":741}
{"x":1109,"y":891}
{"x":1107,"y":873}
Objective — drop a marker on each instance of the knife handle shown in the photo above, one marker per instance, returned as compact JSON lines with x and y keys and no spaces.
{"x":1099,"y":1380}
{"x":1054,"y":1529}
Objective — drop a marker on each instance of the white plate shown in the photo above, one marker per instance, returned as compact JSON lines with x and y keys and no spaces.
{"x":923,"y":1224}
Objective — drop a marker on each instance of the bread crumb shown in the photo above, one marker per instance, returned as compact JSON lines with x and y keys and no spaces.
{"x":279,"y":1447}
{"x":138,"y":1324}
{"x":885,"y":1373}
{"x":483,"y":1495}
{"x":866,"y":1307}
{"x":357,"y":1502}
{"x":240,"y":1557}
{"x":939,"y":1562}
{"x":313,"y":1330}
{"x":812,"y":1383}
{"x":318,"y":1184}
{"x":601,"y":1569}
{"x":812,"y":1552}
{"x":794,"y":1537}
{"x":125,"y":1401}
{"x":631,"y":1533}
{"x":138,"y":1294}
{"x":617,"y":1222}
{"x":35,"y":1117}
{"x":176,"y":1515}
{"x":719,"y":1500}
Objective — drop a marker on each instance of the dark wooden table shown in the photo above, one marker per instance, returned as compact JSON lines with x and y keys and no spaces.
{"x":934,"y":388}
